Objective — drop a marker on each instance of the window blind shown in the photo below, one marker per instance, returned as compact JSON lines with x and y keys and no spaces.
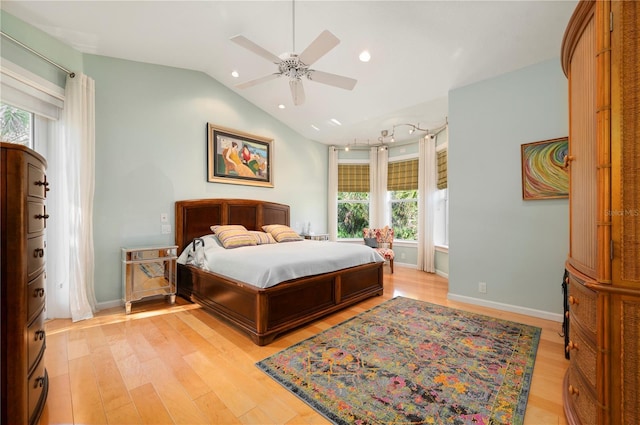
{"x":402,"y":175}
{"x":353,"y":178}
{"x":442,"y":169}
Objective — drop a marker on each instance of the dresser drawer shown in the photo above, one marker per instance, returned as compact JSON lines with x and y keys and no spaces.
{"x":37,"y":387}
{"x":582,"y":304}
{"x":35,"y":256}
{"x":583,"y":355}
{"x":583,"y":400}
{"x":37,"y":185}
{"x":37,"y":215}
{"x":36,"y":338}
{"x":35,"y":296}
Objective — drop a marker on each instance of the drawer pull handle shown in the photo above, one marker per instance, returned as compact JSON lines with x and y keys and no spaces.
{"x":39,"y":335}
{"x":44,"y":183}
{"x":42,"y":216}
{"x":38,"y":252}
{"x":573,"y":300}
{"x":571,"y":346}
{"x":39,"y":382}
{"x":38,"y":292}
{"x":573,"y":390}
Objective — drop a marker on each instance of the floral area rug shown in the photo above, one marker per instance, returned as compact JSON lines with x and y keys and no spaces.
{"x":412,"y":362}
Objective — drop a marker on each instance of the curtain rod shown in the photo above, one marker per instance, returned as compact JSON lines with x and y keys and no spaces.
{"x":41,"y":56}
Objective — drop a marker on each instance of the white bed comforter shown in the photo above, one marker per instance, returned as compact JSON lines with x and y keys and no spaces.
{"x":267,"y":265}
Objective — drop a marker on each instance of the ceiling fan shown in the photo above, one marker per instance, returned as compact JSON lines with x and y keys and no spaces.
{"x":296,"y":67}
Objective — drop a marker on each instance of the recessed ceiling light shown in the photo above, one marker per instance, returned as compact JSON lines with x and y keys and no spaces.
{"x":365,"y":56}
{"x":235,"y":74}
{"x":335,"y":121}
{"x":281,"y":106}
{"x":315,"y":128}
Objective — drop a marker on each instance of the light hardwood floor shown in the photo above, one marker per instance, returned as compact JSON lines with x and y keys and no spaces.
{"x":167,"y":364}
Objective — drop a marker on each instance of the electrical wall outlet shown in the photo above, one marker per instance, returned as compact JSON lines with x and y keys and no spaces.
{"x":482,"y":287}
{"x":166,"y":229}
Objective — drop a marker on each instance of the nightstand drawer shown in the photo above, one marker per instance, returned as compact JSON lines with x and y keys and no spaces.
{"x":37,"y":217}
{"x":36,"y":340}
{"x":37,"y":181}
{"x":583,"y":354}
{"x":35,"y":256}
{"x":582,"y":304}
{"x":35,"y":296}
{"x":583,"y":399}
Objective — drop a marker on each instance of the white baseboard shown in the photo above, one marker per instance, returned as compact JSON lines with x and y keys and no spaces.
{"x":507,"y":307}
{"x":443,"y":274}
{"x":109,"y":304}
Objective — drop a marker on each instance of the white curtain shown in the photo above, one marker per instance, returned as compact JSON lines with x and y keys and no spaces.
{"x":332,"y":190}
{"x":378,"y":164}
{"x":426,"y":197}
{"x":71,"y":169}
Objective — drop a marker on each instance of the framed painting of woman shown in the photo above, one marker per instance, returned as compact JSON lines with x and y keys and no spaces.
{"x":238,"y":158}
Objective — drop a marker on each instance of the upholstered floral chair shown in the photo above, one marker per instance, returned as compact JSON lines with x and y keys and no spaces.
{"x":382,"y":241}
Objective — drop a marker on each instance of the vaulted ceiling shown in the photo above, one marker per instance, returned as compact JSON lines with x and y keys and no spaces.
{"x":420,"y":50}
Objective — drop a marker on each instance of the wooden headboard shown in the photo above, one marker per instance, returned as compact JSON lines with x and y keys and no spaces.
{"x":195,"y":217}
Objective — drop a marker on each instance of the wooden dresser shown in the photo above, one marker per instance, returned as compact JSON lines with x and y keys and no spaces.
{"x":24,"y":188}
{"x":601,"y":58}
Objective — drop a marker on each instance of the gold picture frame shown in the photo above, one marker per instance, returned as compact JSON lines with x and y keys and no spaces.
{"x":236,"y":157}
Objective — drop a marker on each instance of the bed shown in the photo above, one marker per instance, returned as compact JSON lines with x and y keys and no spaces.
{"x":263,"y":313}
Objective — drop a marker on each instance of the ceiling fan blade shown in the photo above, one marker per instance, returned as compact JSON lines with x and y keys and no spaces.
{"x":250,"y":45}
{"x":332,"y":79}
{"x":297,"y":91}
{"x":257,"y":81}
{"x":318,"y":47}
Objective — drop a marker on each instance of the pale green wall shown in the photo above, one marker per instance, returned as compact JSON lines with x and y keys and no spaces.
{"x":151,"y":147}
{"x":517,"y":247}
{"x":41,"y":42}
{"x":151,"y":151}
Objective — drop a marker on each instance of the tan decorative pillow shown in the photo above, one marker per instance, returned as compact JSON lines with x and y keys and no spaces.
{"x":282,"y":233}
{"x":233,"y":236}
{"x":262,"y":238}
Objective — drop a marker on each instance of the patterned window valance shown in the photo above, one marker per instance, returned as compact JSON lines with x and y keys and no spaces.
{"x":442,"y":169}
{"x":402,"y":175}
{"x":353,"y":178}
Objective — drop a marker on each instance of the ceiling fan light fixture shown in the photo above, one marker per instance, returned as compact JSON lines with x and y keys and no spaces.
{"x":365,"y":56}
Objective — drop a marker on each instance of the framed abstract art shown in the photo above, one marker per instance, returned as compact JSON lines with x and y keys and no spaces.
{"x":544,"y":175}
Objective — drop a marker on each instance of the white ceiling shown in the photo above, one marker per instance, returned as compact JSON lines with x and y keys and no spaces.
{"x":419,"y":50}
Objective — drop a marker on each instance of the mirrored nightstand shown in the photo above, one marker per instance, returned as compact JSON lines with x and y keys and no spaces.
{"x":148,"y":271}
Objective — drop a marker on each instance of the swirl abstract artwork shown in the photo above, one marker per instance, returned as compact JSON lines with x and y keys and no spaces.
{"x":544,"y":175}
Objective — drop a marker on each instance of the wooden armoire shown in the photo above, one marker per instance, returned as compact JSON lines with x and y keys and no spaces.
{"x":601,"y":58}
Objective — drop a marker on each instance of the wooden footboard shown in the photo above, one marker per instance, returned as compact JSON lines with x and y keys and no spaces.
{"x":263,"y":313}
{"x":266,"y":313}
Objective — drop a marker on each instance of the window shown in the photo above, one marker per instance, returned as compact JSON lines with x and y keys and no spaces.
{"x":353,"y":200}
{"x":17,"y":125}
{"x":402,"y":186}
{"x":441,"y":220}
